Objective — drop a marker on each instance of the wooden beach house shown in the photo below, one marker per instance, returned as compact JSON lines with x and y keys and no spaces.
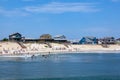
{"x":46,"y":38}
{"x":15,"y":37}
{"x":43,"y":39}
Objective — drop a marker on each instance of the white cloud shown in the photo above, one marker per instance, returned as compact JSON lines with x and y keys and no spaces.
{"x":115,"y":0}
{"x":15,"y":12}
{"x":28,"y":0}
{"x":18,"y":0}
{"x":112,"y":0}
{"x":55,"y":7}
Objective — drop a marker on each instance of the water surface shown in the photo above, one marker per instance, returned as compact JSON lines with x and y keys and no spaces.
{"x":89,"y":66}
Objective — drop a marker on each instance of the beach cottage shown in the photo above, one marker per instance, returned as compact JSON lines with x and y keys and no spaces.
{"x":118,"y":41}
{"x":60,"y":38}
{"x":88,"y":40}
{"x":74,"y":41}
{"x":15,"y":37}
{"x":46,"y":38}
{"x":107,"y":40}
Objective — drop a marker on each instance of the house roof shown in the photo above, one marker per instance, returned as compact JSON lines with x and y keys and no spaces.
{"x":59,"y":37}
{"x":107,"y":38}
{"x":118,"y":39}
{"x":46,"y":36}
{"x":89,"y":38}
{"x":14,"y":34}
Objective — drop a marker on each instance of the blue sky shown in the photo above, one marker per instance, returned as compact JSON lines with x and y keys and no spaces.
{"x":73,"y":18}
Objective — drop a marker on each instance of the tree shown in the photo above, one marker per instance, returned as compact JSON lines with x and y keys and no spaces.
{"x":5,"y":39}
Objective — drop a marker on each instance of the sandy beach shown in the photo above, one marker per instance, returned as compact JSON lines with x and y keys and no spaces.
{"x":55,"y":48}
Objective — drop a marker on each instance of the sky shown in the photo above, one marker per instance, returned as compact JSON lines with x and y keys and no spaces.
{"x":72,"y":18}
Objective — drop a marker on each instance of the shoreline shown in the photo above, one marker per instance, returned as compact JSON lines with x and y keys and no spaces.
{"x":66,"y":52}
{"x":13,"y":48}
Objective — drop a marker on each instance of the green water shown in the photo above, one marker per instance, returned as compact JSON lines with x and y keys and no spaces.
{"x":62,"y":67}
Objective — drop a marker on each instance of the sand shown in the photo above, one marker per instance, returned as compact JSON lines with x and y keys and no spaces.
{"x":31,"y":48}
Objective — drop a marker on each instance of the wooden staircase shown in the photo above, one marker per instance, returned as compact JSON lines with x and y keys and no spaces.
{"x":49,"y":45}
{"x":67,"y":45}
{"x":21,"y":44}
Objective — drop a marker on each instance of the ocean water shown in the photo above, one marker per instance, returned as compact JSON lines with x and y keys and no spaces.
{"x":83,"y":66}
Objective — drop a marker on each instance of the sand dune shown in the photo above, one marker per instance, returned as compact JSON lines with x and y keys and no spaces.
{"x":15,"y":48}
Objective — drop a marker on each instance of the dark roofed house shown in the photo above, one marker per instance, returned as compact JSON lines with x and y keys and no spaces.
{"x":118,"y":39}
{"x":15,"y":37}
{"x":107,"y":40}
{"x":60,"y":38}
{"x":75,"y":41}
{"x":88,"y":40}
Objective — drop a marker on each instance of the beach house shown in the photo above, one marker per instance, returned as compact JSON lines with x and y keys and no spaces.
{"x":43,"y":38}
{"x":60,"y":38}
{"x":107,"y":40}
{"x":74,"y":41}
{"x":15,"y":37}
{"x":46,"y":38}
{"x":117,"y":41}
{"x":88,"y":40}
